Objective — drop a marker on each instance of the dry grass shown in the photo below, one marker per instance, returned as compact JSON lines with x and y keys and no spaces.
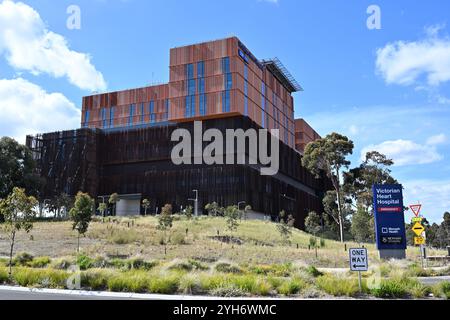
{"x":127,"y":237}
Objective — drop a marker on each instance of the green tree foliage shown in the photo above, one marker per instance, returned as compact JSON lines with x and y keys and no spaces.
{"x":165,"y":222}
{"x":145,"y":205}
{"x":285,"y":226}
{"x":232,"y":215}
{"x":18,"y":210}
{"x":329,"y":155}
{"x":113,"y":199}
{"x":313,"y":223}
{"x":358,"y":182}
{"x":17,"y":169}
{"x":363,"y":229}
{"x":188,"y":212}
{"x":81,"y":214}
{"x":214,"y":209}
{"x":102,"y":207}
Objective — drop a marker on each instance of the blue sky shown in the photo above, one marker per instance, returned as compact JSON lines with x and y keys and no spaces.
{"x":387,"y":89}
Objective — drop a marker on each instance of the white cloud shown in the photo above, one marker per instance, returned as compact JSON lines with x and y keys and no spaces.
{"x":405,"y":62}
{"x":406,"y":152}
{"x":26,"y":108}
{"x":434,"y":196}
{"x":29,"y":45}
{"x":437,"y":139}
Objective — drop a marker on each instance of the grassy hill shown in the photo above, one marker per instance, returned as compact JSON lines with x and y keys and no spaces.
{"x":203,"y":258}
{"x":204,"y":239}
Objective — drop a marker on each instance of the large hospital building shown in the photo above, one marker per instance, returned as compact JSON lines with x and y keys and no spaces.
{"x":124,"y":143}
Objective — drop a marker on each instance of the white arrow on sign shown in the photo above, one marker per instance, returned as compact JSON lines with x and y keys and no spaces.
{"x":359,"y":260}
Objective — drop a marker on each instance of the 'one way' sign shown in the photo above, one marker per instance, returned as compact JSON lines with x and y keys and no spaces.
{"x":358,"y":260}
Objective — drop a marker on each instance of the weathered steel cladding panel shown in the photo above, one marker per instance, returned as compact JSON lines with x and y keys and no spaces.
{"x":138,"y":161}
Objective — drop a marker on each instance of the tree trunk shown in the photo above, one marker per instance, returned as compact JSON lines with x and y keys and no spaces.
{"x":337,"y":186}
{"x":78,"y":244}
{"x":11,"y":250}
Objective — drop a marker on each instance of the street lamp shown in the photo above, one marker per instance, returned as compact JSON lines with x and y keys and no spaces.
{"x":195,"y":202}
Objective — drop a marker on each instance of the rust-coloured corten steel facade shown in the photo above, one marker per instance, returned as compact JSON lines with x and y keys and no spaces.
{"x":304,"y":134}
{"x":207,"y":80}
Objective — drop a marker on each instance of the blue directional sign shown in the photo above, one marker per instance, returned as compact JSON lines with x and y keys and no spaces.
{"x":389,"y":217}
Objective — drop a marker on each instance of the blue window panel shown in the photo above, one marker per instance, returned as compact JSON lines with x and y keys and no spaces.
{"x":151,"y":107}
{"x":202,"y":104}
{"x":246,"y":105}
{"x":153,"y":118}
{"x":111,"y":117}
{"x":191,"y":87}
{"x":245,"y":72}
{"x":167,"y":105}
{"x":192,"y":106}
{"x":226,"y":107}
{"x":200,"y":69}
{"x":187,"y":111}
{"x":228,"y":81}
{"x":142,"y":112}
{"x":130,"y":119}
{"x":86,"y":118}
{"x":201,"y":85}
{"x":226,"y":65}
{"x":103,"y":115}
{"x":189,"y":71}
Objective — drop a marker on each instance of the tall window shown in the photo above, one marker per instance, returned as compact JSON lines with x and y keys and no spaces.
{"x":226,"y":105}
{"x":190,"y":107}
{"x":142,"y":113}
{"x":130,"y":118}
{"x":166,"y":109}
{"x":111,"y":117}
{"x":190,"y":71}
{"x":228,"y":84}
{"x":151,"y":110}
{"x":86,"y":118}
{"x":103,"y":114}
{"x":202,"y":104}
{"x":200,"y":69}
{"x":245,"y":90}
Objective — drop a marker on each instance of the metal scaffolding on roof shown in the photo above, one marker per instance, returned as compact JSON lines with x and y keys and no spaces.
{"x":282,"y":74}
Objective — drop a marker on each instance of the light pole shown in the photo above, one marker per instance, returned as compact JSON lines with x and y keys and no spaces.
{"x":195,"y":202}
{"x":239,"y":205}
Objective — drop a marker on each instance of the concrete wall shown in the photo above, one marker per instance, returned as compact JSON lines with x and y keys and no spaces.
{"x":127,"y":208}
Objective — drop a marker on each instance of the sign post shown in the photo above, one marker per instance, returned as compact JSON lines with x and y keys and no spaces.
{"x":359,"y":262}
{"x":389,"y":221}
{"x":419,"y":230}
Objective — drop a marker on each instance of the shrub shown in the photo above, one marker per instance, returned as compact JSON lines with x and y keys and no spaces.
{"x":164,"y":284}
{"x":190,"y":284}
{"x":124,"y":236}
{"x":95,"y":279}
{"x":228,"y":292}
{"x":419,"y":291}
{"x":22,"y":259}
{"x":136,"y":281}
{"x":292,"y":286}
{"x":282,"y":270}
{"x":226,"y":267}
{"x":40,"y":262}
{"x":62,"y":264}
{"x":197,"y":265}
{"x":338,"y":286}
{"x":3,"y":275}
{"x":391,"y":288}
{"x":312,"y":271}
{"x":84,"y":262}
{"x":445,"y":288}
{"x":40,"y":277}
{"x":178,"y":238}
{"x":212,"y":282}
{"x":180,"y":265}
{"x":246,"y":283}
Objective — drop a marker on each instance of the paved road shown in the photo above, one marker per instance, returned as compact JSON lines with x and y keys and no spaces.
{"x":434,"y":280}
{"x":21,"y":294}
